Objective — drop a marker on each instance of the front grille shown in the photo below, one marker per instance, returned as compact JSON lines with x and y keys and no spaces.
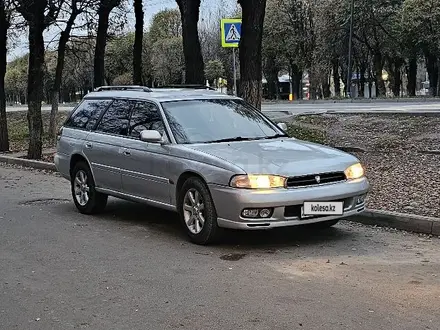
{"x":315,"y":179}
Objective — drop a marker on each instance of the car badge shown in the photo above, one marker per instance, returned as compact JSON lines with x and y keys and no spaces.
{"x":318,"y":179}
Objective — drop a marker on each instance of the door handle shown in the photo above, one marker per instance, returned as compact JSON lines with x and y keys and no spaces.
{"x":89,"y":145}
{"x":126,"y":152}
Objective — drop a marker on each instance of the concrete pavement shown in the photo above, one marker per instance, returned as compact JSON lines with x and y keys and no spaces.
{"x":132,"y":268}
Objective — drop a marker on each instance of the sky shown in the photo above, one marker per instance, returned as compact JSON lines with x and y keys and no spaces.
{"x":151,"y":7}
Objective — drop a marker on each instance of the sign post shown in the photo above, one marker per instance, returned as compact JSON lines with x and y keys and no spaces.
{"x":231,"y":35}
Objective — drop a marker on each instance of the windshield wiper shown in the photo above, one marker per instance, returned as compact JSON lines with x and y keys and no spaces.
{"x":237,"y":138}
{"x":276,"y":136}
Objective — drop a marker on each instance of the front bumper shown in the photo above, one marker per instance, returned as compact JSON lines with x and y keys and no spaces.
{"x":230,"y":203}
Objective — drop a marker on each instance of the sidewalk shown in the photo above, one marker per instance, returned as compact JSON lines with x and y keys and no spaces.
{"x":23,"y":154}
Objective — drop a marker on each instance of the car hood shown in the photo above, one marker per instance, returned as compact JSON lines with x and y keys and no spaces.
{"x":287,"y":157}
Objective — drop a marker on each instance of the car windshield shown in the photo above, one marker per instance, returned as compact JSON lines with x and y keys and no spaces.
{"x":209,"y":121}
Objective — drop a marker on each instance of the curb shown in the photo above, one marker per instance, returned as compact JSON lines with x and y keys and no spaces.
{"x":414,"y":113}
{"x":37,"y":164}
{"x":421,"y":113}
{"x":408,"y":222}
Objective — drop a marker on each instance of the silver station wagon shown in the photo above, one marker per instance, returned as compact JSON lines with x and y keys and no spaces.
{"x":211,"y":157}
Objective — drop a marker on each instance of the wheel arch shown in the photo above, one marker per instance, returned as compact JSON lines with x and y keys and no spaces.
{"x":75,"y":158}
{"x":182,"y":179}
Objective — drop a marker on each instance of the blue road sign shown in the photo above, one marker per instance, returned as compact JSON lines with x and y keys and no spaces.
{"x":231,"y":32}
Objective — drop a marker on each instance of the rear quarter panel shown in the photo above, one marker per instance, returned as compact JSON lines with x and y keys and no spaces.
{"x":70,"y":144}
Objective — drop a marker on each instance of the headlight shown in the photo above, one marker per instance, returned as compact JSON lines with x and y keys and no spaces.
{"x":355,"y":171}
{"x":258,"y":181}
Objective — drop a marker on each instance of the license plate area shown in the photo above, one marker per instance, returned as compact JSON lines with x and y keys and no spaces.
{"x":321,"y":209}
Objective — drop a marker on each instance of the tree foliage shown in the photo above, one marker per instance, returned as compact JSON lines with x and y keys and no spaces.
{"x":213,"y":70}
{"x":165,"y":24}
{"x":167,"y":61}
{"x":389,"y":36}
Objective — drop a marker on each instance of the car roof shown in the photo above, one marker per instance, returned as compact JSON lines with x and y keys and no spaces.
{"x":160,"y":94}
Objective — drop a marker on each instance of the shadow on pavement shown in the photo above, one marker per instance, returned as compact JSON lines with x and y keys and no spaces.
{"x":168,"y":224}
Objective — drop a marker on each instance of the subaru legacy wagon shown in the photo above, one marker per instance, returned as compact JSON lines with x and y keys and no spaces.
{"x":211,"y":157}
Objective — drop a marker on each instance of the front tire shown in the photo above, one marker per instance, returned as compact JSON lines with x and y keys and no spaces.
{"x":197,"y":212}
{"x":87,"y":200}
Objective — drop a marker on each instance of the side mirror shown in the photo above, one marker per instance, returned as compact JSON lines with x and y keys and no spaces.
{"x":283,"y":126}
{"x":151,"y":136}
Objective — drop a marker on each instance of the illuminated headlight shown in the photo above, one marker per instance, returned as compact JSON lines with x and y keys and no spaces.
{"x":258,"y":181}
{"x":355,"y":171}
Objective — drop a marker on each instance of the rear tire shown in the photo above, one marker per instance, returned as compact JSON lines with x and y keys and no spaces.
{"x":197,"y":212}
{"x":87,"y":200}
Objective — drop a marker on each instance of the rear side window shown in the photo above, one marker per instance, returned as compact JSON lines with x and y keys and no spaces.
{"x":87,"y":114}
{"x":116,"y":118}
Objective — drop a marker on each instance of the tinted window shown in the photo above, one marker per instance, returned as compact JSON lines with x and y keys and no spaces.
{"x":116,"y":118}
{"x":200,"y":121}
{"x":145,"y":116}
{"x":87,"y":114}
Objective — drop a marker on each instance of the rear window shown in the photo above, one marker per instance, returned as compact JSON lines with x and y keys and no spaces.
{"x":87,"y":114}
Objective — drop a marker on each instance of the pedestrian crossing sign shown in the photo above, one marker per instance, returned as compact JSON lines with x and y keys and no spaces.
{"x":231,"y":32}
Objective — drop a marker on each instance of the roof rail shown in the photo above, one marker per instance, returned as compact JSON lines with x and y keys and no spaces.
{"x":123,"y":88}
{"x":189,"y":86}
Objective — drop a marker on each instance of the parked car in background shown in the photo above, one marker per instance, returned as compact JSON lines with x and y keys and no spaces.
{"x":211,"y":157}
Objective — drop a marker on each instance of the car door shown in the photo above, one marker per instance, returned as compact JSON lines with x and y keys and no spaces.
{"x":145,"y":172}
{"x":104,"y":146}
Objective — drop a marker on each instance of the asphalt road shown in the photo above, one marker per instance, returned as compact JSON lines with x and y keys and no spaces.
{"x":132,"y":268}
{"x":286,"y":108}
{"x":376,"y":106}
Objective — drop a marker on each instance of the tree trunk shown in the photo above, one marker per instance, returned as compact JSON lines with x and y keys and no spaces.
{"x":138,"y":40}
{"x":370,"y":84}
{"x":272,"y":78}
{"x":411,"y":72}
{"x":296,"y":81}
{"x":4,"y":139}
{"x":35,"y":85}
{"x":326,"y":88}
{"x":397,"y":77}
{"x":362,"y":71}
{"x":314,"y":87}
{"x":253,"y":12}
{"x":343,"y":76}
{"x":394,"y":68}
{"x":336,"y":78}
{"x":101,"y":42}
{"x":378,"y":67}
{"x":432,"y":68}
{"x":194,"y":66}
{"x":64,"y":38}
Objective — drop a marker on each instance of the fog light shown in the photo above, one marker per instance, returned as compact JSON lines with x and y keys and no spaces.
{"x":250,"y":213}
{"x":265,"y":213}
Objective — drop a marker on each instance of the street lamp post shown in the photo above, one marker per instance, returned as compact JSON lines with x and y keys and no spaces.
{"x":350,"y":51}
